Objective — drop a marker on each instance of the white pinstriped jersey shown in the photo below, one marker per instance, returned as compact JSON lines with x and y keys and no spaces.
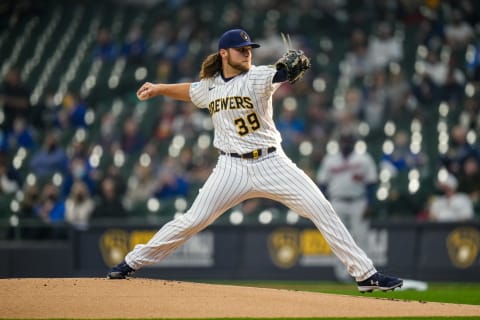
{"x":241,"y":109}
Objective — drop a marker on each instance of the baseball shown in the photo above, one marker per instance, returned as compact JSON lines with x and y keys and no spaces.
{"x":145,"y":91}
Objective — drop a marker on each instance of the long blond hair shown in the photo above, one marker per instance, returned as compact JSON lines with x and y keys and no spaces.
{"x":211,"y":66}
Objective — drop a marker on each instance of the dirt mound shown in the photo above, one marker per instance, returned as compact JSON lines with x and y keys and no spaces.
{"x":147,"y":298}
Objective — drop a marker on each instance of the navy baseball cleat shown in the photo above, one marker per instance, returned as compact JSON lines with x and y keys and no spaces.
{"x":379,"y":282}
{"x":120,"y":271}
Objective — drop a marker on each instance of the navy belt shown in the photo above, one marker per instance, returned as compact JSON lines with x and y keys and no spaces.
{"x":250,"y":155}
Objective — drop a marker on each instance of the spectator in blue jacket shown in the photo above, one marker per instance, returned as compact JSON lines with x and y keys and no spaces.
{"x":50,"y":158}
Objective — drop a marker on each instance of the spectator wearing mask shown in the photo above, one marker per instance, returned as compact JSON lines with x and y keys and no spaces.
{"x":79,"y":169}
{"x":459,"y":149}
{"x":451,"y":205}
{"x":105,"y":48}
{"x":51,"y":208}
{"x":50,"y":158}
{"x":79,"y":206}
{"x":21,"y":136}
{"x":469,"y":180}
{"x":384,"y":47}
{"x":109,"y":203}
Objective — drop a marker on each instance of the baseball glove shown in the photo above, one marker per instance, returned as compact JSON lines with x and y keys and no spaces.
{"x":295,"y":62}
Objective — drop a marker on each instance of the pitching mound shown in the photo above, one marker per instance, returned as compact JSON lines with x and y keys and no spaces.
{"x":146,"y":298}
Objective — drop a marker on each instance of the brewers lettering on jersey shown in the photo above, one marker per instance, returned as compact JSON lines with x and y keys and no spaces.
{"x":251,"y":161}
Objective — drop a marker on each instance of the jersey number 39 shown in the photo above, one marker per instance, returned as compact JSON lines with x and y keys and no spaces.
{"x":248,"y":124}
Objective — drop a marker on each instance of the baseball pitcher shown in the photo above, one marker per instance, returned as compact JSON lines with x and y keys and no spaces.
{"x":251,"y":163}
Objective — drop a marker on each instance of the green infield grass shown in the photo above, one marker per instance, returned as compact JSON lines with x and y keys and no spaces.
{"x":463,"y":293}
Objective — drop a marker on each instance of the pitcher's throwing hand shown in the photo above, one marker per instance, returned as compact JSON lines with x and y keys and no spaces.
{"x":146,"y":91}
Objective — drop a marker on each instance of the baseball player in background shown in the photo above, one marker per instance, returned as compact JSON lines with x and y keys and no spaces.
{"x":251,"y":163}
{"x":348,"y":179}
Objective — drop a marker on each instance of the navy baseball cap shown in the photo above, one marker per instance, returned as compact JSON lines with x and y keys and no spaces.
{"x":236,"y":38}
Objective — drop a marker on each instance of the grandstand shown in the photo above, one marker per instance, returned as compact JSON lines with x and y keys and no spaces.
{"x":82,"y":62}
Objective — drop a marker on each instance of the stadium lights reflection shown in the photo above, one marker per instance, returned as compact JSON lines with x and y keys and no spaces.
{"x":385,"y":175}
{"x":117,"y":107}
{"x":290,"y":104}
{"x":20,"y":195}
{"x":415,"y":147}
{"x":443,"y":109}
{"x":414,"y":174}
{"x":332,"y":147}
{"x":388,"y":147}
{"x":422,"y":51}
{"x":443,"y":137}
{"x":96,"y":156}
{"x":178,"y":141}
{"x":420,"y":67}
{"x":90,"y":82}
{"x":339,"y":102}
{"x":319,"y":85}
{"x":360,"y":147}
{"x":113,"y":82}
{"x":80,"y":135}
{"x":394,"y":68}
{"x":90,"y":117}
{"x":207,"y":124}
{"x":31,"y":179}
{"x":94,"y":160}
{"x":204,"y":141}
{"x":416,"y":126}
{"x":57,"y":179}
{"x":382,"y":193}
{"x":153,"y":205}
{"x":363,"y":128}
{"x":141,"y":73}
{"x":471,"y":137}
{"x":292,"y":217}
{"x":442,"y":148}
{"x":265,"y":217}
{"x":305,"y":148}
{"x":97,"y":150}
{"x":14,"y":206}
{"x":413,"y":186}
{"x":389,"y":128}
{"x":17,"y":163}
{"x":442,"y":126}
{"x":173,"y":151}
{"x":470,"y":90}
{"x":19,"y":158}
{"x":442,"y":175}
{"x":236,"y":217}
{"x":14,"y":221}
{"x":119,"y":158}
{"x":180,"y":204}
{"x":417,"y":137}
{"x":145,"y":160}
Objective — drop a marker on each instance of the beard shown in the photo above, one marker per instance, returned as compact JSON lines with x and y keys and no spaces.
{"x":240,"y":66}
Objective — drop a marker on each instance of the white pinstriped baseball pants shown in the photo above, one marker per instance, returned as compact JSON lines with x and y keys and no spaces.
{"x":234,"y":180}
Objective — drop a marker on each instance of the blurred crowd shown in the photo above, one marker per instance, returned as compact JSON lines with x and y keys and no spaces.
{"x":387,"y":70}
